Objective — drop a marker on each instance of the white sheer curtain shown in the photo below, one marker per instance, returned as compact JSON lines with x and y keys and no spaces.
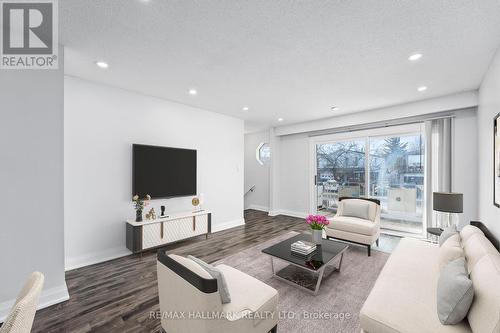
{"x":438,"y":134}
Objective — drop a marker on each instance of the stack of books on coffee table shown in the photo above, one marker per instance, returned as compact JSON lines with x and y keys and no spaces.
{"x":303,"y":248}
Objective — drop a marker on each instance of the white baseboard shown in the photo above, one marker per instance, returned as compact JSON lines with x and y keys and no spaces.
{"x":228,"y":225}
{"x":95,"y":258}
{"x":258,"y":207}
{"x":288,"y":213}
{"x":47,"y":298}
{"x":274,"y":213}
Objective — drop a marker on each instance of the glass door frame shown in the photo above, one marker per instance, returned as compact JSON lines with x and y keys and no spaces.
{"x":410,"y":129}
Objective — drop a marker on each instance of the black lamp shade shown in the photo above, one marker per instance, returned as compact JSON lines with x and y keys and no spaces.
{"x":448,"y":202}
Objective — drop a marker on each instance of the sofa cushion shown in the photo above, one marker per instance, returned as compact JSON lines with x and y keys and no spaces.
{"x":353,"y":225}
{"x":447,"y":233}
{"x":216,"y":274}
{"x":356,"y":208}
{"x":484,"y":314}
{"x":468,"y":231}
{"x":404,"y":296}
{"x":373,"y":208}
{"x":450,"y":250}
{"x":475,"y":248}
{"x":249,"y":295}
{"x":454,"y":292}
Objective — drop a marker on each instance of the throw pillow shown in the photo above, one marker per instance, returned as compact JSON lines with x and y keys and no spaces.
{"x":454,"y":293}
{"x":216,"y":274}
{"x":447,"y":233}
{"x":356,"y":208}
{"x":450,"y":250}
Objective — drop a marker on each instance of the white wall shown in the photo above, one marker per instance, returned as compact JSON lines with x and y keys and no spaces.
{"x":464,"y":174}
{"x":31,"y":182}
{"x":489,"y":107}
{"x":293,"y":174}
{"x":295,"y":185}
{"x":101,"y":124}
{"x":255,"y":173}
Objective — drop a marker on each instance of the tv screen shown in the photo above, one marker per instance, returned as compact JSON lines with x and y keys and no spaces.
{"x":163,"y":172}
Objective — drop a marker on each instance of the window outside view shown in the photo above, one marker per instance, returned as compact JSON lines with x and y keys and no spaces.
{"x":395,"y":165}
{"x":263,"y":153}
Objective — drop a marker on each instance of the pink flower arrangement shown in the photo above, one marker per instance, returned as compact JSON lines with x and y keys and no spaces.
{"x":317,"y":222}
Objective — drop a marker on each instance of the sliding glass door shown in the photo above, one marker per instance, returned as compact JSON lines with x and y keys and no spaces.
{"x":340,"y":173}
{"x":389,"y":167}
{"x":397,"y":179}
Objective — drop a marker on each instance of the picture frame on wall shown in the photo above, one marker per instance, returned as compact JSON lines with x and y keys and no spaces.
{"x":496,"y":161}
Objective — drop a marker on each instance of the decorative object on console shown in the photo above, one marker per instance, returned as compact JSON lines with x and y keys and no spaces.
{"x":195,"y":202}
{"x":139,"y":205}
{"x":317,"y":224}
{"x":449,"y":203}
{"x":151,"y":215}
{"x":496,"y":159}
{"x":162,"y":211}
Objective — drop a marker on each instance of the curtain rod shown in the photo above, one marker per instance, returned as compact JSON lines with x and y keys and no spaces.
{"x":382,"y":124}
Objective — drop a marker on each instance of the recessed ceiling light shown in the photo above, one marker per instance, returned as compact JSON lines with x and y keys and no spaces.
{"x":422,"y":88}
{"x":334,"y":108}
{"x":280,"y":119}
{"x":415,"y":57}
{"x":246,"y":108}
{"x":102,"y":64}
{"x":193,"y":92}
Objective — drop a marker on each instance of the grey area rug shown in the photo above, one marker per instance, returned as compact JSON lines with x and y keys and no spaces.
{"x":340,"y":298}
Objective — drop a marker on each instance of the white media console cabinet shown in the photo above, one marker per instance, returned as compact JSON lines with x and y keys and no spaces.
{"x":151,"y":234}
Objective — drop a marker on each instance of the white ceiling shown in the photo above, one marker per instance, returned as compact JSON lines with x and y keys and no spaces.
{"x":282,"y":58}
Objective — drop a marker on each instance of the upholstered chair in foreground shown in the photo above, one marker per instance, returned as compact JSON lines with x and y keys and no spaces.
{"x":20,"y":318}
{"x":357,"y":221}
{"x":190,"y":299}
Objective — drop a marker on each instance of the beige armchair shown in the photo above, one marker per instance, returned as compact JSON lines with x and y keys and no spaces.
{"x":357,"y":221}
{"x":190,"y":299}
{"x":20,"y":318}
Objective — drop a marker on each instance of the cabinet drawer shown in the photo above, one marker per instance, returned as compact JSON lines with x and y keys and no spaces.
{"x":151,"y":235}
{"x":182,"y":228}
{"x":161,"y":233}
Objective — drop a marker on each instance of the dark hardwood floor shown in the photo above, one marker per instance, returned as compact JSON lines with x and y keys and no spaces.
{"x":118,"y":295}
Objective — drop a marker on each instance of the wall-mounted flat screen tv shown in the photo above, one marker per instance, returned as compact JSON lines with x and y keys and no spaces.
{"x":163,"y":172}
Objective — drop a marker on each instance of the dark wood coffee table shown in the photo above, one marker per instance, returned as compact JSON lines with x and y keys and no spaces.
{"x":306,"y":273}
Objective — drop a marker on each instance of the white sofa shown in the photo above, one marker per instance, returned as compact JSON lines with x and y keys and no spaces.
{"x":403,"y":299}
{"x":348,"y":226}
{"x":190,"y":301}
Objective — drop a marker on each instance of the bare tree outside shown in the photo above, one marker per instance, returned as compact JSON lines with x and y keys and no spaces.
{"x":394,"y":174}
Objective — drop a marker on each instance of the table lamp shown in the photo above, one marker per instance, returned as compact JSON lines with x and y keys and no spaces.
{"x":449,"y":203}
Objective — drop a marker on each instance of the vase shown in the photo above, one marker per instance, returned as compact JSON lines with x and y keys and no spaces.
{"x":138,"y":216}
{"x":317,"y":236}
